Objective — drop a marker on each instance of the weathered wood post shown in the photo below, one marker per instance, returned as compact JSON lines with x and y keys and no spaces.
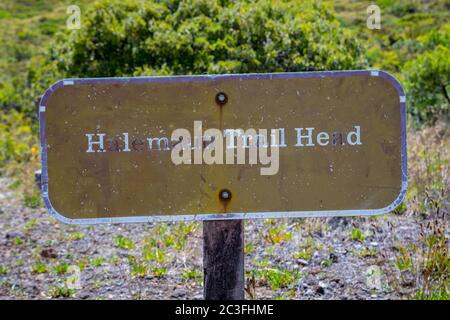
{"x":223,"y":247}
{"x":223,"y":259}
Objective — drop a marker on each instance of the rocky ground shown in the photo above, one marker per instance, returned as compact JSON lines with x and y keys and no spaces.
{"x":332,"y":258}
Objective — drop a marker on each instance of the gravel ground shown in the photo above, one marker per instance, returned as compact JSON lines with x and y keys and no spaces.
{"x":314,"y":258}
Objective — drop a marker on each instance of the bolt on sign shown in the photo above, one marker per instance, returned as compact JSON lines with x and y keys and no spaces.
{"x":223,"y":146}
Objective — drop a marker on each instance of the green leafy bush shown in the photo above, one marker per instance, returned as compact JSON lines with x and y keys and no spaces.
{"x":202,"y":36}
{"x":17,"y":140}
{"x":428,"y":79}
{"x":22,"y":93}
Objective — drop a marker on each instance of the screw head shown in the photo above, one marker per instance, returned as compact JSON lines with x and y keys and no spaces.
{"x":225,"y":194}
{"x":221,"y":98}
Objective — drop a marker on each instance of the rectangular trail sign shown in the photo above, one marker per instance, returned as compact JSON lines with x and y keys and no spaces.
{"x":140,"y":149}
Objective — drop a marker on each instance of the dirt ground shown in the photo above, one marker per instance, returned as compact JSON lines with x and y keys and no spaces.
{"x":332,"y":266}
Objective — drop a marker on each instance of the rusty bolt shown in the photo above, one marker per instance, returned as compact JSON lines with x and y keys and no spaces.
{"x":225,"y":195}
{"x":221,"y":98}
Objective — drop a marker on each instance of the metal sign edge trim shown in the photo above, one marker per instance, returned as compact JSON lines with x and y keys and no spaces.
{"x":197,"y":217}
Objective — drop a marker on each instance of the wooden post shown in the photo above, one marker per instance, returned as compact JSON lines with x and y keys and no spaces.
{"x":223,"y":259}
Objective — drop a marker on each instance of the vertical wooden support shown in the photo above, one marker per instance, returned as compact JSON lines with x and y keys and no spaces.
{"x":223,"y":259}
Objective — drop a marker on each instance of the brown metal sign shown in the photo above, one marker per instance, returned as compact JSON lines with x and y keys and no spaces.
{"x":167,"y":148}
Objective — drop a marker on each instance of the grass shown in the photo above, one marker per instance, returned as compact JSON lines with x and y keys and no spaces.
{"x":276,"y":232}
{"x":61,"y":268}
{"x":33,"y":201}
{"x":26,"y":26}
{"x":426,"y":268}
{"x":3,"y":270}
{"x":175,"y":236}
{"x":123,"y":242}
{"x":403,"y":259}
{"x":191,"y":274}
{"x":98,"y":261}
{"x":249,"y":247}
{"x":61,"y":292}
{"x":357,"y":235}
{"x":74,"y":236}
{"x":154,"y":255}
{"x":158,"y":271}
{"x":304,"y":253}
{"x":30,"y":225}
{"x":366,"y":252}
{"x":422,"y":269}
{"x":138,"y":268}
{"x":182,"y":231}
{"x":18,"y":241}
{"x":273,"y":276}
{"x":82,"y":263}
{"x":326,"y":263}
{"x":401,"y":209}
{"x":307,"y":249}
{"x":277,"y":278}
{"x":39,"y":267}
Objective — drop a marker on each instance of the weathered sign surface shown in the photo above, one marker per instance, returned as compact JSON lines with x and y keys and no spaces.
{"x":111,"y":152}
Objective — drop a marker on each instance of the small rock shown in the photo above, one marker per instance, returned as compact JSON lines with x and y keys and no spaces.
{"x":198,"y":296}
{"x":336,"y":280}
{"x":49,"y":253}
{"x":315,"y":270}
{"x":5,"y":195}
{"x":14,"y":235}
{"x":320,"y":290}
{"x":83,"y":295}
{"x":336,"y":222}
{"x":333,"y":258}
{"x":179,"y":293}
{"x":303,"y":262}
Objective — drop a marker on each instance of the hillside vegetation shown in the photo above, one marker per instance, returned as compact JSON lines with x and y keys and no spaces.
{"x":311,"y":258}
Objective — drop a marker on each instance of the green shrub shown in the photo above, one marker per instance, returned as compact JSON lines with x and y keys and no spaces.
{"x":4,"y":14}
{"x":201,"y":36}
{"x":18,"y":143}
{"x":32,"y":201}
{"x":401,"y":8}
{"x":428,"y":79}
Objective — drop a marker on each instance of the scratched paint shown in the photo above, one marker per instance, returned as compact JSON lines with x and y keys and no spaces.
{"x":338,"y":179}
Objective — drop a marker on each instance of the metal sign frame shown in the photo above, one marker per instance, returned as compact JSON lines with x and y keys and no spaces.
{"x":222,"y":216}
